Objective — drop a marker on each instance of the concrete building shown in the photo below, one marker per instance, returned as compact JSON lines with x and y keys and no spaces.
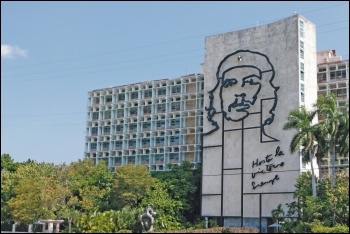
{"x":249,"y":82}
{"x":253,"y":78}
{"x":150,"y":123}
{"x":333,"y":76}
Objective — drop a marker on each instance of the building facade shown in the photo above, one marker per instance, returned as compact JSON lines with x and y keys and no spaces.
{"x":150,"y":123}
{"x":333,"y":76}
{"x":253,"y":78}
{"x":229,"y":118}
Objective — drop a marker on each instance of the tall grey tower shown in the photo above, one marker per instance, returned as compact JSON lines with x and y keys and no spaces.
{"x":253,"y":78}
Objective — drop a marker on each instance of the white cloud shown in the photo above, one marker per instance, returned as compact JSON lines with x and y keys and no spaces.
{"x":8,"y":51}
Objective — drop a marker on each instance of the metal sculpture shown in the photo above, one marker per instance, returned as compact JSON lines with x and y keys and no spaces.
{"x":146,"y":220}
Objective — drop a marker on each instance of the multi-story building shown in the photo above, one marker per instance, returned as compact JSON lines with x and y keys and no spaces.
{"x":149,"y":123}
{"x":333,"y":76}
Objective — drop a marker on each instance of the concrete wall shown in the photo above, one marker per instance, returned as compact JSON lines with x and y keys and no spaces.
{"x":252,"y":81}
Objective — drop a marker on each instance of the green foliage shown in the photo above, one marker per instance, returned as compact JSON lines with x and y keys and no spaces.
{"x":168,"y":210}
{"x":108,"y":221}
{"x":89,"y":185}
{"x":317,"y":227}
{"x":131,"y":183}
{"x":218,"y":230}
{"x":37,"y":192}
{"x":319,"y":214}
{"x":6,"y":194}
{"x":183,"y":185}
{"x":301,"y":120}
{"x":8,"y":163}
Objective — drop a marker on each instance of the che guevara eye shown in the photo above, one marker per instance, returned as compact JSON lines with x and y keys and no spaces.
{"x":230,"y":82}
{"x":251,"y":80}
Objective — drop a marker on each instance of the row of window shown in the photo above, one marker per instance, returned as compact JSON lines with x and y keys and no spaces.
{"x":160,"y":108}
{"x":340,"y":74}
{"x":132,"y":143}
{"x":301,"y":53}
{"x":133,"y":126}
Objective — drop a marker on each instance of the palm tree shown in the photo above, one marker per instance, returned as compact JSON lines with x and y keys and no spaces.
{"x":343,"y":135}
{"x":301,"y":120}
{"x":321,"y":149}
{"x":332,"y":126}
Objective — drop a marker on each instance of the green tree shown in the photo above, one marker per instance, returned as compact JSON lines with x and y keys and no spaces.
{"x":37,"y":192}
{"x":168,"y":209}
{"x":6,"y":194}
{"x":8,"y":163}
{"x":131,"y":183}
{"x":89,"y":188}
{"x":309,"y":213}
{"x":183,"y":185}
{"x":301,"y":120}
{"x":331,"y":125}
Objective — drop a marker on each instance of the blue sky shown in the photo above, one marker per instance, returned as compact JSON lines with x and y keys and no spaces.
{"x":54,"y":53}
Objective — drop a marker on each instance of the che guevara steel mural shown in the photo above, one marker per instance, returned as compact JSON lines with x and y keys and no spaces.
{"x":240,"y":107}
{"x":240,"y":78}
{"x":244,"y":91}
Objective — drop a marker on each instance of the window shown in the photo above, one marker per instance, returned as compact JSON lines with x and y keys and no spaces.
{"x":95,"y":116}
{"x":133,"y":127}
{"x":161,"y":124}
{"x":161,"y":91}
{"x":322,"y":76}
{"x":175,"y":122}
{"x":332,"y":74}
{"x":148,"y":93}
{"x":175,"y":106}
{"x":120,"y":113}
{"x":105,"y":145}
{"x":146,"y":125}
{"x":145,"y":142}
{"x":176,"y":89}
{"x":301,"y":23}
{"x":161,"y":107}
{"x":160,"y":140}
{"x":302,"y":54}
{"x":108,"y":114}
{"x":147,"y":110}
{"x":302,"y":96}
{"x":301,"y":45}
{"x":301,"y":75}
{"x":118,"y":144}
{"x":132,"y":143}
{"x":323,"y":69}
{"x":106,"y":129}
{"x":302,"y":87}
{"x":134,"y":95}
{"x":94,"y":131}
{"x":119,"y":128}
{"x":341,"y":74}
{"x":133,"y":111}
{"x":121,"y":97}
{"x":93,"y":146}
{"x":302,"y":66}
{"x":174,"y":139}
{"x":108,"y":99}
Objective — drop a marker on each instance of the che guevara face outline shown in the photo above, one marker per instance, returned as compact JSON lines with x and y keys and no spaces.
{"x":239,"y":91}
